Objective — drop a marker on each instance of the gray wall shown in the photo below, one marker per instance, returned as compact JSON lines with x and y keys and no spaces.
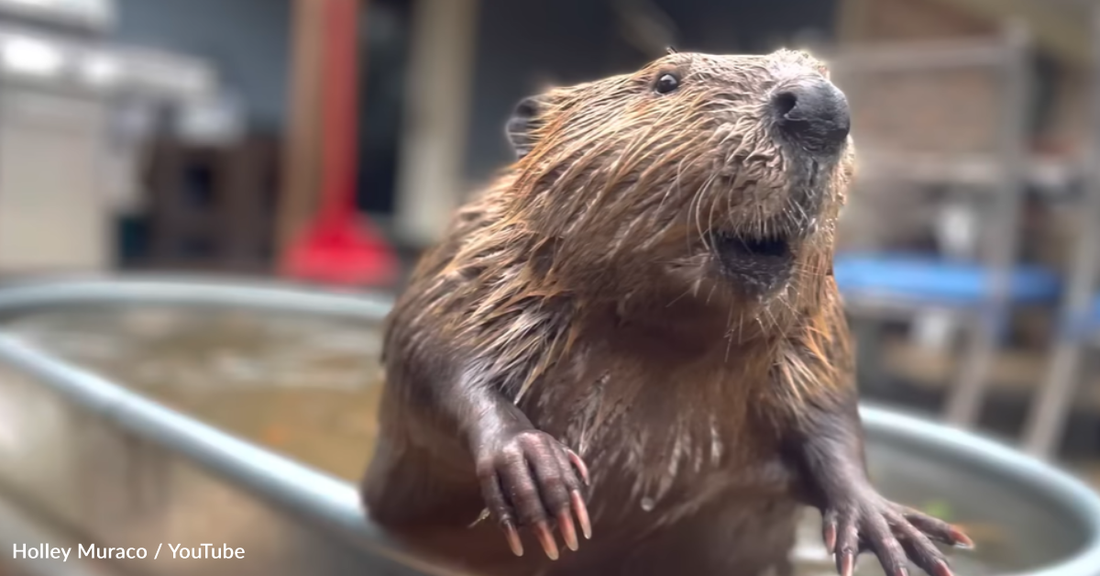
{"x":567,"y":41}
{"x":248,"y":40}
{"x":748,"y":27}
{"x":519,"y":43}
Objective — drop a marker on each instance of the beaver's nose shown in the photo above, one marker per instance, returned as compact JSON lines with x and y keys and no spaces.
{"x":814,"y":114}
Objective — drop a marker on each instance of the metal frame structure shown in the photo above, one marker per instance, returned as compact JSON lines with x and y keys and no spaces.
{"x":964,"y":405}
{"x":1078,"y":327}
{"x":1002,"y":174}
{"x":333,"y":504}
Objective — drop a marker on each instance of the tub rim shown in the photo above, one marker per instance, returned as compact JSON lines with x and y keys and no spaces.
{"x":336,"y":502}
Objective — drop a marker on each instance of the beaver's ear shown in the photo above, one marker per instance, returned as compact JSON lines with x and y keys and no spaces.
{"x":523,"y":123}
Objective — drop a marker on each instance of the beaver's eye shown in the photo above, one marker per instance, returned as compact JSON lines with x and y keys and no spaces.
{"x":666,"y":83}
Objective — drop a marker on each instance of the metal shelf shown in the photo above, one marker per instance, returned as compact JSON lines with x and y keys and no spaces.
{"x":92,"y":15}
{"x":53,"y":61}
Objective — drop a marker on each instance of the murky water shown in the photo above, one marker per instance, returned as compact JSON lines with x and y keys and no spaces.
{"x":307,"y":387}
{"x":303,"y":385}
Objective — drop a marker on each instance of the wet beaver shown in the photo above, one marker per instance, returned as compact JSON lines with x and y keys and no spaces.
{"x":636,"y":326}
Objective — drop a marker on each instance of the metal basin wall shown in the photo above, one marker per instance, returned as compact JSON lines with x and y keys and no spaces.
{"x":118,"y":470}
{"x":99,"y":482}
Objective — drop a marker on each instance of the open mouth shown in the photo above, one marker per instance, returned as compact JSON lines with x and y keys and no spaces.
{"x":758,"y":264}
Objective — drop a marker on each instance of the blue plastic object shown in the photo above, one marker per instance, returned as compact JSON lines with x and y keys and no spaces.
{"x":928,"y":278}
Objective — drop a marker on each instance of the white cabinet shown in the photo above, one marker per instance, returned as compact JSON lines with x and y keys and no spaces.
{"x":53,"y":211}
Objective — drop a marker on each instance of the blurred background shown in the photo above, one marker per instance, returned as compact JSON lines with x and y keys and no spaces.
{"x":323,"y":144}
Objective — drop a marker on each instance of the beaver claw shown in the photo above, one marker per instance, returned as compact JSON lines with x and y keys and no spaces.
{"x":867,"y":521}
{"x":529,"y":479}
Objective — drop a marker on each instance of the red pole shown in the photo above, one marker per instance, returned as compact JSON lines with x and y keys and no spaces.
{"x":339,"y":247}
{"x":339,"y":117}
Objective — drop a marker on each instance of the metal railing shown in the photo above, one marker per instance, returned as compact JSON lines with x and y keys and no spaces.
{"x":291,"y":501}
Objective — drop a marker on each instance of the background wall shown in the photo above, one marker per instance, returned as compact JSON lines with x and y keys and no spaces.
{"x":254,"y":63}
{"x":522,"y":44}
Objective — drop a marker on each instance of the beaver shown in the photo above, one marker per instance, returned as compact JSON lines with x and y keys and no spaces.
{"x":634,"y":331}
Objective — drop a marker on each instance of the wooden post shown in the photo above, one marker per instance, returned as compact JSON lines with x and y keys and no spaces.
{"x":434,"y":135}
{"x":302,"y":154}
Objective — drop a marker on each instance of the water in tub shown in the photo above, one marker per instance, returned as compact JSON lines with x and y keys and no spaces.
{"x":308,"y":387}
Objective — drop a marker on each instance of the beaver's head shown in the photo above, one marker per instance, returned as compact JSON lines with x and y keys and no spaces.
{"x":714,"y":173}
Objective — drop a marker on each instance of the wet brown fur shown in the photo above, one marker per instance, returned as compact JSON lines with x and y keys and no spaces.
{"x":582,"y":285}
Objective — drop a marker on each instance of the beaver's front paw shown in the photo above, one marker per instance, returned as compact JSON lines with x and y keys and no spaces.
{"x":864,"y":520}
{"x":529,"y":478}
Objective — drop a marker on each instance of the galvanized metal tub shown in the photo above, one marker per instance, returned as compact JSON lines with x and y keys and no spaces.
{"x":100,"y":464}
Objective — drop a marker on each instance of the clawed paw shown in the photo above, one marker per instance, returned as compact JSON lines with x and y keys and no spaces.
{"x":892,"y":532}
{"x":530,"y":480}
